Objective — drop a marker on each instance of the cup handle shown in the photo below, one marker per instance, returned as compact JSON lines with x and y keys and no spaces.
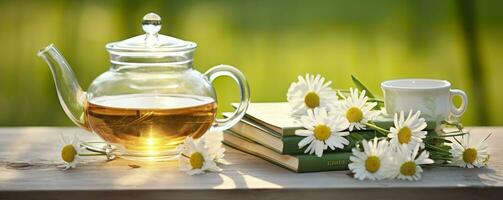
{"x":464,"y":102}
{"x":227,"y":70}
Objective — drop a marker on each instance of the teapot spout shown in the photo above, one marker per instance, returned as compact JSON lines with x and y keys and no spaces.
{"x":70,"y":94}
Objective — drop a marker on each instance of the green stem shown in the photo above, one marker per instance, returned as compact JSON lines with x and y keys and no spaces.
{"x":436,"y":138}
{"x":437,"y":148}
{"x":449,"y":135}
{"x":445,"y":158}
{"x":432,"y":155}
{"x":92,"y":154}
{"x":441,"y":159}
{"x":376,"y":100}
{"x":384,"y":132}
{"x":441,"y":153}
{"x":456,"y":131}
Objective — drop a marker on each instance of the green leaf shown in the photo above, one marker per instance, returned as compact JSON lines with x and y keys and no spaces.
{"x":360,"y":86}
{"x":370,"y":95}
{"x":357,"y":137}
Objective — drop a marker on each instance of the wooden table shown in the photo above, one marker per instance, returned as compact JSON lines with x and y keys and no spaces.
{"x":243,"y":176}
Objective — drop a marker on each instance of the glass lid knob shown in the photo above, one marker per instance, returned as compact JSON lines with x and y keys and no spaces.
{"x":151,"y":25}
{"x":151,"y":44}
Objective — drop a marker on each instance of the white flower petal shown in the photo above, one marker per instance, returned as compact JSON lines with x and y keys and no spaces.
{"x":303,"y":132}
{"x":310,"y":83}
{"x":305,"y":141}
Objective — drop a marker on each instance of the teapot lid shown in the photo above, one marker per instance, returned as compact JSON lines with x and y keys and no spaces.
{"x":151,"y":42}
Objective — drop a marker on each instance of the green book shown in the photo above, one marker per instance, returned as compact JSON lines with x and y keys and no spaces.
{"x":276,"y":117}
{"x":296,"y":163}
{"x":284,"y":144}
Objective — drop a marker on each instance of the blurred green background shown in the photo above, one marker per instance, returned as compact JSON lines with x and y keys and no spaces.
{"x":270,"y":41}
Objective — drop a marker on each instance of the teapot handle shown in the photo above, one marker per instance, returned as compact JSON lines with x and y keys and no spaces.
{"x":227,"y":70}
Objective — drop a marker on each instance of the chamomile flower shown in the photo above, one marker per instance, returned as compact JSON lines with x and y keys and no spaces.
{"x":407,"y":131}
{"x":69,"y":151}
{"x":196,"y":158}
{"x":355,"y":110}
{"x":407,"y":163}
{"x":468,"y":153}
{"x":373,"y":162}
{"x":323,"y":131}
{"x":309,"y":93}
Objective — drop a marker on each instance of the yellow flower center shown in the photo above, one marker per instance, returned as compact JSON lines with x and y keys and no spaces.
{"x":322,"y":132}
{"x":404,"y":135}
{"x":408,"y":168}
{"x":372,"y":164}
{"x":354,"y":114}
{"x":470,"y":155}
{"x":312,"y":100}
{"x":196,"y":160}
{"x":68,"y":153}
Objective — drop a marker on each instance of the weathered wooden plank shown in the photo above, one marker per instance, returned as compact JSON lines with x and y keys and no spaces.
{"x":39,"y":146}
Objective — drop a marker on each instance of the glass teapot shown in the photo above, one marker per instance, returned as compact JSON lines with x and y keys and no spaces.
{"x":150,"y":99}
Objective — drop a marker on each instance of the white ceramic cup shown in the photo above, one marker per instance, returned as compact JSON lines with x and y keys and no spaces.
{"x":432,"y":97}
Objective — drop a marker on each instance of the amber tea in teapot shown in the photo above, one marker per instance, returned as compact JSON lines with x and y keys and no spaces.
{"x":149,"y":99}
{"x":142,"y":122}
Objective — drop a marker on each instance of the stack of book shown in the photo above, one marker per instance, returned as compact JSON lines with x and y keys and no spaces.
{"x":268,"y":131}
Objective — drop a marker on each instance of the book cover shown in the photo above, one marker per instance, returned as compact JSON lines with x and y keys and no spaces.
{"x":276,"y":117}
{"x":284,"y":144}
{"x":287,"y":144}
{"x":296,"y":163}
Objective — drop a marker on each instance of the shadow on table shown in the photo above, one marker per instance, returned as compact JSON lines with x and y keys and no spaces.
{"x":485,"y":177}
{"x":251,"y":172}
